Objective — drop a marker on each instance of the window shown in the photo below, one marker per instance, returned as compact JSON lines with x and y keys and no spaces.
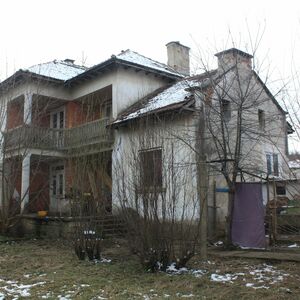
{"x":261,"y":119}
{"x":226,"y":110}
{"x":280,"y":189}
{"x":57,"y":180}
{"x":272,"y":164}
{"x":151,"y":168}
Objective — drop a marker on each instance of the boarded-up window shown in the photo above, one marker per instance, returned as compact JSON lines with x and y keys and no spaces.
{"x":151,"y":168}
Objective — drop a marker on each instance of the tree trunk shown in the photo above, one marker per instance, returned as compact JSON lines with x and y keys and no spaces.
{"x":202,"y":182}
{"x":228,"y":242}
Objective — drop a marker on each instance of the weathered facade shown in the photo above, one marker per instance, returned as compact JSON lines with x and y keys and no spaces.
{"x":141,"y":118}
{"x":57,"y":115}
{"x":238,"y":108}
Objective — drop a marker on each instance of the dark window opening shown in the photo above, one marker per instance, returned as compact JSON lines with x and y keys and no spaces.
{"x":269,"y":164}
{"x":275,"y":164}
{"x":261,"y":119}
{"x":151,"y":168}
{"x":280,"y":189}
{"x":226,"y":110}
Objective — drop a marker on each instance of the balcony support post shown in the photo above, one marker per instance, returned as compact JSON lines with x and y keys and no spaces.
{"x":25,"y":181}
{"x":27,"y":108}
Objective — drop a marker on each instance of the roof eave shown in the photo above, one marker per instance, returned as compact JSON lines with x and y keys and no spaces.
{"x":182,"y":105}
{"x":96,"y":70}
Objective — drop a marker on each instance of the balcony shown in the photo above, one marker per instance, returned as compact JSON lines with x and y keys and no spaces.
{"x":88,"y":134}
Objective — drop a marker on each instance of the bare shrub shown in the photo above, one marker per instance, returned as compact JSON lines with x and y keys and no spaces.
{"x":156,"y":198}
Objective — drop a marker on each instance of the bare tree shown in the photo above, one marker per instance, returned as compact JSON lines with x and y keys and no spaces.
{"x":154,"y":188}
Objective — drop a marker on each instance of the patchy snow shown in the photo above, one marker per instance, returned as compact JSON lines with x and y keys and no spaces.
{"x":175,"y":94}
{"x":89,"y":232}
{"x":261,"y":276}
{"x":223,"y":278}
{"x":48,"y":295}
{"x":172,"y":270}
{"x":184,"y":295}
{"x":103,"y":260}
{"x":66,"y":297}
{"x":57,"y":69}
{"x":218,"y":243}
{"x":139,"y":59}
{"x":16,"y":290}
{"x":249,"y":284}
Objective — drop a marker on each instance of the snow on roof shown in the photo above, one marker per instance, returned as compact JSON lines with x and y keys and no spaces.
{"x":294,"y":164}
{"x":57,"y":69}
{"x":177,"y":93}
{"x":139,"y":59}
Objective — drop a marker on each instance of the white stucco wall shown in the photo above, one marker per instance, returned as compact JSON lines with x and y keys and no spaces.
{"x":179,"y":169}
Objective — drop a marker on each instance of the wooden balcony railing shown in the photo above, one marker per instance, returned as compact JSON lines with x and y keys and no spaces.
{"x":30,"y":136}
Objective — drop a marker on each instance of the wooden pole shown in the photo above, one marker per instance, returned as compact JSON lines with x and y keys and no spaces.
{"x":274,"y":214}
{"x":214,"y":209}
{"x":202,"y":181}
{"x":269,"y":217}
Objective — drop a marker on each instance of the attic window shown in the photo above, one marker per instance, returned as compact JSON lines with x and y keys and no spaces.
{"x":226,"y":110}
{"x":261,"y":119}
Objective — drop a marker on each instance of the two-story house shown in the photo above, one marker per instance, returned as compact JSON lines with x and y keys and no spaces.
{"x":57,"y":111}
{"x":142,"y":118}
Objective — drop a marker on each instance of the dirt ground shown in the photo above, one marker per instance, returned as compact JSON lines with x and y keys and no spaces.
{"x":43,"y":269}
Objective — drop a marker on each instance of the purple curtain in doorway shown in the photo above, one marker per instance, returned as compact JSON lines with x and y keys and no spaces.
{"x":248,"y":229}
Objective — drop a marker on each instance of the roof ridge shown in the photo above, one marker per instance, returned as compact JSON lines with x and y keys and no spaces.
{"x":71,"y":65}
{"x":155,"y":61}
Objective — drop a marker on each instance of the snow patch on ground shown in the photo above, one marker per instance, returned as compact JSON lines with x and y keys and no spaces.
{"x":103,"y":260}
{"x":172,"y":270}
{"x":223,"y":278}
{"x":14,"y":289}
{"x":260,"y":277}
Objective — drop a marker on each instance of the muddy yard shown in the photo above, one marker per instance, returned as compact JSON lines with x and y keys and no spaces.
{"x":41,"y":269}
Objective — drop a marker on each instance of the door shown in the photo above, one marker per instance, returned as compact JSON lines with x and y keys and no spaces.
{"x":57,"y":188}
{"x":57,"y":122}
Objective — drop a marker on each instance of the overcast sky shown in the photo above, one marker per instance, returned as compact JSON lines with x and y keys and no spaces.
{"x":35,"y":31}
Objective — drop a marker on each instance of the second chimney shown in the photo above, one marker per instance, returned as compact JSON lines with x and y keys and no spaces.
{"x":179,"y":57}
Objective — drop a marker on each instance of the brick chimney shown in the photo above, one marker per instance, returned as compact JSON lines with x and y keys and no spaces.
{"x":179,"y":57}
{"x":233,"y":57}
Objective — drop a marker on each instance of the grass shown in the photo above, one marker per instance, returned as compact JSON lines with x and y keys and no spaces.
{"x":60,"y":275}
